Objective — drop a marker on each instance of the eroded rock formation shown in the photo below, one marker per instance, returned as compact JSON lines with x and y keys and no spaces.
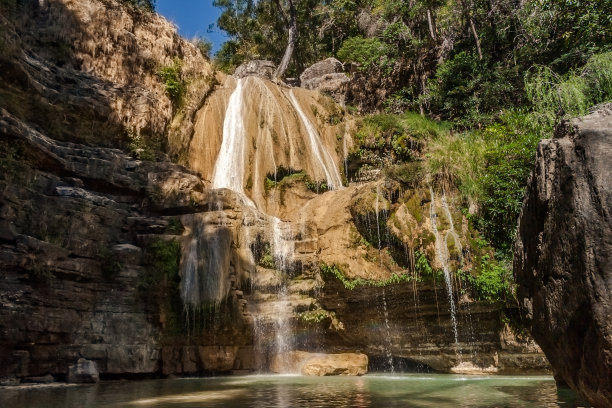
{"x":145,"y":267}
{"x":563,"y":257}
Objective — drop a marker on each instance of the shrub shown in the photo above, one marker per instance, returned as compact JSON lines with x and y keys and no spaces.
{"x":148,"y":5}
{"x":366,"y":52}
{"x":175,"y":86}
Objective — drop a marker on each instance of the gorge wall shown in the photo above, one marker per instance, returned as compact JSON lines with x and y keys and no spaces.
{"x":562,"y":254}
{"x":255,"y":249}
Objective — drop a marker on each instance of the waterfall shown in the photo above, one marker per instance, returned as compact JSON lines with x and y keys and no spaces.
{"x":229,"y":167}
{"x":323,"y":157}
{"x":442,"y":254}
{"x":451,"y":232}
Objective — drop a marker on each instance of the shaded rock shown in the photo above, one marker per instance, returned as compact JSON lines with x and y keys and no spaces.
{"x":44,"y":379}
{"x":562,"y":258}
{"x":218,"y":358}
{"x":326,"y":76}
{"x":84,"y":371}
{"x":260,"y":68}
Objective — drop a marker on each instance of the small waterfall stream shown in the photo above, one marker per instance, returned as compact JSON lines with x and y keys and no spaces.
{"x":323,"y":157}
{"x":442,"y":254}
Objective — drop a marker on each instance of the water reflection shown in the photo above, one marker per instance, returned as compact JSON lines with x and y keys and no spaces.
{"x":412,"y":390}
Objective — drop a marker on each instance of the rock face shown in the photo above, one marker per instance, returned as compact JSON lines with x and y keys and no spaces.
{"x":326,"y":76}
{"x":320,"y":364}
{"x":563,"y":259}
{"x":260,"y":68}
{"x":84,"y":371}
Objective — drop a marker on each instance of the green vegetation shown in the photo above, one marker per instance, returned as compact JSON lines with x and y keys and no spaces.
{"x":172,"y":79}
{"x":204,"y":45}
{"x":350,"y":284}
{"x":492,"y":283}
{"x":111,"y":266}
{"x":148,"y":5}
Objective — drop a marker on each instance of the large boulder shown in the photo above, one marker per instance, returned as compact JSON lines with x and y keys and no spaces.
{"x":326,"y":76}
{"x":320,"y":364}
{"x":562,"y":258}
{"x":84,"y":371}
{"x":260,"y":68}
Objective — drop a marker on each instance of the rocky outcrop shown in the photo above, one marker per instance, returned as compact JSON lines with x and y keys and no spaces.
{"x":261,"y":68}
{"x":320,"y":364}
{"x":326,"y":76}
{"x":563,"y":261}
{"x":84,"y":371}
{"x":90,"y":70}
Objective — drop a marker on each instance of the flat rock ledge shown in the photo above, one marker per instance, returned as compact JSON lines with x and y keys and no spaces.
{"x":320,"y":364}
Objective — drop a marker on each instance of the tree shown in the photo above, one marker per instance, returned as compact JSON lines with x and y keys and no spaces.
{"x":291,"y":23}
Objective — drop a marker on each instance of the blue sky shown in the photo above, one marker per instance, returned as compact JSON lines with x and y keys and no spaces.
{"x":193,"y":17}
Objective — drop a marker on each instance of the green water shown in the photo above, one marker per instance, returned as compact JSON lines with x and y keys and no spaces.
{"x":409,"y":390}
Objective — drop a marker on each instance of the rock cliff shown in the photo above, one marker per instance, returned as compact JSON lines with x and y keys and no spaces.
{"x":112,"y":253}
{"x":562,"y":254}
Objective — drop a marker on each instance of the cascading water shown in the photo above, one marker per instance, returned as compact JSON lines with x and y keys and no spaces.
{"x":229,"y":167}
{"x":442,"y":254}
{"x":323,"y":157}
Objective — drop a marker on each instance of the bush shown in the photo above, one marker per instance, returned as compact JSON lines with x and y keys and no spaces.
{"x":366,"y":52}
{"x":571,"y":95}
{"x":204,"y":45}
{"x":148,"y":5}
{"x":175,"y":86}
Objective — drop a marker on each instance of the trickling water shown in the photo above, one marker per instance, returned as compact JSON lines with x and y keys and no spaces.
{"x":452,"y":232}
{"x":325,"y":160}
{"x":229,"y":167}
{"x":190,"y":283}
{"x":282,"y":249}
{"x":388,"y":334}
{"x":377,"y":208}
{"x":442,"y":254}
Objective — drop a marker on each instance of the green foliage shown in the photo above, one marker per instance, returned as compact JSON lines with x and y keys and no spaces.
{"x":164,"y":259}
{"x":509,"y":156}
{"x":367,"y":53}
{"x":172,"y":79}
{"x":111,"y":266}
{"x":139,"y":147}
{"x":267,"y":261}
{"x":572,"y":94}
{"x":421,"y":264}
{"x":410,"y":174}
{"x":314,"y":316}
{"x":492,"y":283}
{"x":350,"y":284}
{"x":148,"y":5}
{"x":14,"y":167}
{"x":204,"y":45}
{"x":175,"y":226}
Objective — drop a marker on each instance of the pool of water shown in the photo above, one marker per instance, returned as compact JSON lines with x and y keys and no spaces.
{"x":407,"y":390}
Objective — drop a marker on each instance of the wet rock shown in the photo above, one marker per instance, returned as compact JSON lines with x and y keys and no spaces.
{"x":84,"y":371}
{"x":45,"y":379}
{"x":9,"y":382}
{"x":562,"y":258}
{"x":260,"y":68}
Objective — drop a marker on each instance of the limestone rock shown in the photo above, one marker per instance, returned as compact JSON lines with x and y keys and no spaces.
{"x":84,"y":371}
{"x":320,"y":364}
{"x":260,"y":68}
{"x":562,"y":258}
{"x":326,"y":76}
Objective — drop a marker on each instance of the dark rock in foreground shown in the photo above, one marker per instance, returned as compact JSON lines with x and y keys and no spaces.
{"x":562,"y":256}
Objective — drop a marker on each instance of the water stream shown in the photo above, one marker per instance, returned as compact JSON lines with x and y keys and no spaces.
{"x":442,"y":255}
{"x":323,"y":157}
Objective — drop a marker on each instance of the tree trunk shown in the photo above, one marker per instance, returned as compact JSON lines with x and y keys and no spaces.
{"x":432,"y":30}
{"x":292,"y":22}
{"x":468,"y":15}
{"x":475,"y":37}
